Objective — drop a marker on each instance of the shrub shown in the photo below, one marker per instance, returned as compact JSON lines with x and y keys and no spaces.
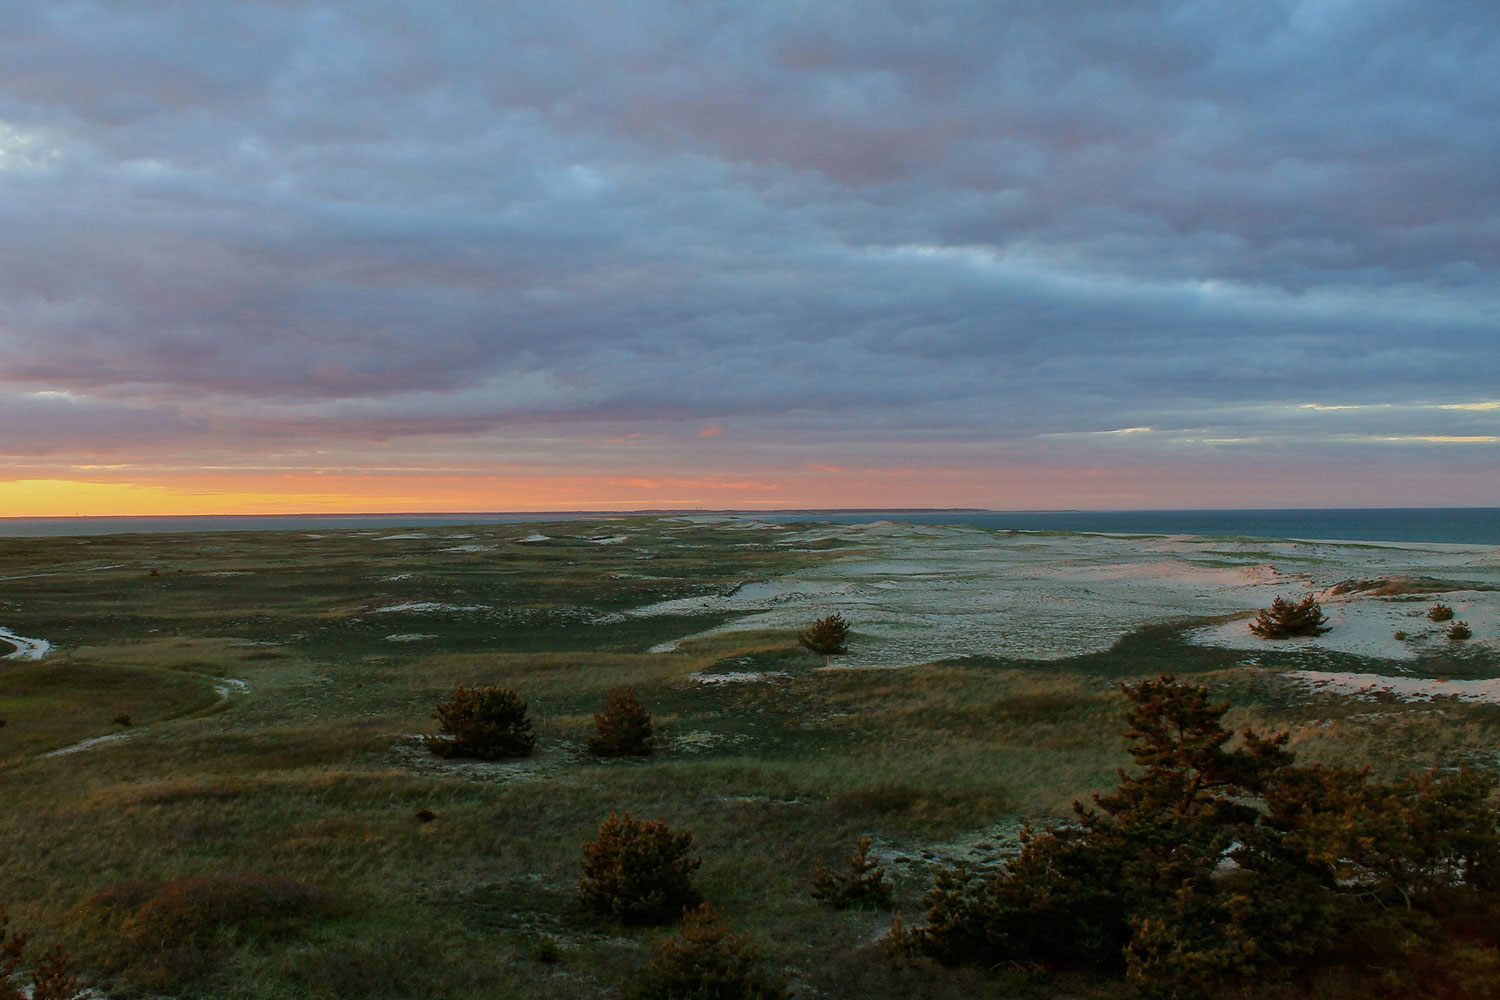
{"x":1439,"y":613}
{"x":638,"y":871}
{"x":623,"y":729}
{"x":1284,"y":619}
{"x":826,"y":635}
{"x":487,"y":722}
{"x":164,"y":934}
{"x":50,"y":979}
{"x":1459,"y":631}
{"x":1400,"y":636}
{"x":861,"y":887}
{"x":706,"y":962}
{"x":1332,"y":869}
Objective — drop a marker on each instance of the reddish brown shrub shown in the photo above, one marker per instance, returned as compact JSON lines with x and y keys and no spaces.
{"x":706,"y":962}
{"x":624,"y":728}
{"x":487,"y":722}
{"x":638,"y":871}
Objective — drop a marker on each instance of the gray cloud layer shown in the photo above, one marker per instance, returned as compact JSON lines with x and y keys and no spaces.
{"x":880,"y":223}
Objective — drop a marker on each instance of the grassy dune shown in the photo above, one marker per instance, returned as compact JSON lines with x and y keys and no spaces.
{"x":316,"y":772}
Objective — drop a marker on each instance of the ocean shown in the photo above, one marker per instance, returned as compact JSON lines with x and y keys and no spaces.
{"x":1461,"y":525}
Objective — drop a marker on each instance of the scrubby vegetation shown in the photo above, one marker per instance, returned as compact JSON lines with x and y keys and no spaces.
{"x":638,"y":871}
{"x":487,"y":722}
{"x":1459,"y":631}
{"x":704,"y":961}
{"x":826,"y":636}
{"x":1219,"y":867}
{"x":1284,"y":619}
{"x":51,"y":978}
{"x":624,"y":728}
{"x":1439,"y":613}
{"x":459,"y":877}
{"x":860,"y":886}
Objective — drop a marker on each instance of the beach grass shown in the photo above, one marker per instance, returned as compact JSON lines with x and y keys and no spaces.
{"x":457,"y":879}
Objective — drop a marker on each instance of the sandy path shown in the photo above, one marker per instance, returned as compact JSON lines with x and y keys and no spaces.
{"x":26,"y":649}
{"x":225,"y":687}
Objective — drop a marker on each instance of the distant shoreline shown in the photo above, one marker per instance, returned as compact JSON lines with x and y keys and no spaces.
{"x":1455,"y":525}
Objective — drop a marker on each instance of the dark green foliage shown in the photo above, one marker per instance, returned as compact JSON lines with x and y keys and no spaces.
{"x":638,"y":871}
{"x":164,"y":934}
{"x":1219,"y":865}
{"x":1459,"y":631}
{"x":706,"y":962}
{"x":826,"y":635}
{"x":1439,"y":613}
{"x":488,"y":722}
{"x":1284,"y":619}
{"x":624,"y":728}
{"x":861,"y":886}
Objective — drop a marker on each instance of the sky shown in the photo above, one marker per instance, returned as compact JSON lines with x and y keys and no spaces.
{"x":381,"y":256}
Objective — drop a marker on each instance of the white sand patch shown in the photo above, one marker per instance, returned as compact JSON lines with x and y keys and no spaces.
{"x":468,"y":548}
{"x":228,"y":572}
{"x":409,"y":637}
{"x":425,"y":607}
{"x":400,"y":576}
{"x":611,"y":540}
{"x":664,"y":647}
{"x":537,"y":536}
{"x":916,"y":593}
{"x":1367,"y":625}
{"x":544,"y":762}
{"x":410,"y":534}
{"x":737,"y":677}
{"x":26,"y":648}
{"x":1373,"y":686}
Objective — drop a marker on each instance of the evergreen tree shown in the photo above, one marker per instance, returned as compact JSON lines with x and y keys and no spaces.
{"x":624,"y":728}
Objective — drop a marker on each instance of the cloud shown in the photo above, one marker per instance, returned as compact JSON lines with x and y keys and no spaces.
{"x":964,"y":226}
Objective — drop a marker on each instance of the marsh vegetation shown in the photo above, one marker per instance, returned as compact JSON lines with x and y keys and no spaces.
{"x":275,"y":810}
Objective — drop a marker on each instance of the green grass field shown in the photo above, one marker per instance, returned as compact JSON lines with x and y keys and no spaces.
{"x":313,"y":767}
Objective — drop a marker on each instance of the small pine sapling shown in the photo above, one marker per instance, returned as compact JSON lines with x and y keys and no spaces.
{"x":1439,"y":612}
{"x":624,"y":728}
{"x":638,"y":872}
{"x":706,"y":962}
{"x":826,"y":635}
{"x":1459,"y":631}
{"x":487,"y":722}
{"x":861,"y":887}
{"x":1284,"y":619}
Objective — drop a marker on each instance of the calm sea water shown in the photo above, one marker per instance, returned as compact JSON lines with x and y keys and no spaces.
{"x":1464,"y":525}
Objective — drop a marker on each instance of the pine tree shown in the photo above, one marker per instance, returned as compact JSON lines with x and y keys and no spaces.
{"x":638,"y":871}
{"x":860,"y":886}
{"x":826,"y":636}
{"x":706,"y":962}
{"x":487,"y":722}
{"x":1284,"y":619}
{"x":624,"y":728}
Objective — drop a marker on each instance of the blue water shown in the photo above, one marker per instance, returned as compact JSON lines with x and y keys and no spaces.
{"x":1464,"y":525}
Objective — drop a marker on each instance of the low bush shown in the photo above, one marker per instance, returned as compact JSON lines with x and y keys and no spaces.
{"x":50,"y":977}
{"x":487,"y":722}
{"x":1284,"y":619}
{"x":861,"y":886}
{"x":638,"y":871}
{"x":826,"y":636}
{"x":624,"y":728}
{"x":1459,"y":631}
{"x":704,"y":961}
{"x":1439,"y":613}
{"x":159,"y":935}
